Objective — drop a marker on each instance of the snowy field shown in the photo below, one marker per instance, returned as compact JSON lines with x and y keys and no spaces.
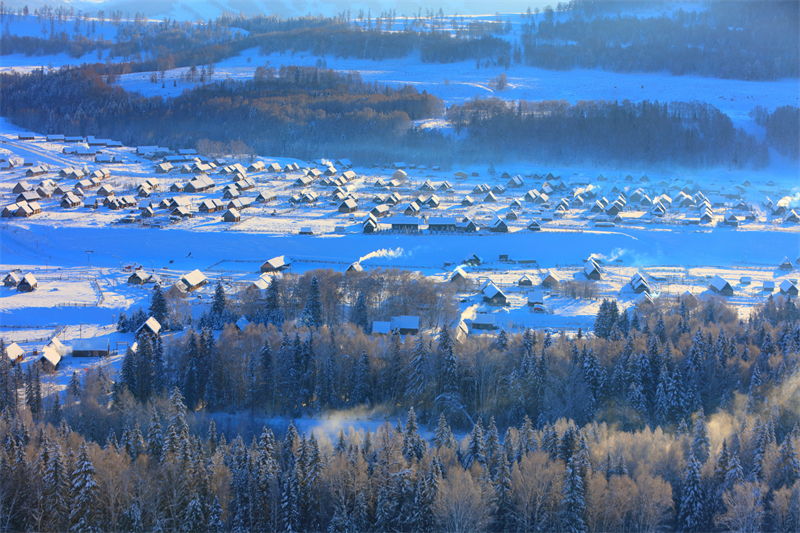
{"x":459,"y":82}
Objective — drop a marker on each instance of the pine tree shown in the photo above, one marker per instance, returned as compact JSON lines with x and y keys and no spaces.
{"x":691,"y":515}
{"x":218,"y":305}
{"x":788,"y":469}
{"x":573,"y":503}
{"x":290,"y":508}
{"x":503,"y":507}
{"x":267,"y":372}
{"x":274,"y":311}
{"x":56,"y":489}
{"x":418,"y":371}
{"x":74,"y":388}
{"x":701,"y":445}
{"x":413,"y":444}
{"x":362,"y":389}
{"x":158,"y":307}
{"x":443,"y":436}
{"x":159,"y":367}
{"x":359,"y":314}
{"x":312,"y":312}
{"x":84,"y":516}
{"x":476,"y":451}
{"x":155,"y":440}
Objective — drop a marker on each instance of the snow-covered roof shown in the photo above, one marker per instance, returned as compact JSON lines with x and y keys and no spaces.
{"x":383,"y":328}
{"x":536,"y":297}
{"x":51,"y":355}
{"x":405,"y":322}
{"x":242,"y":323}
{"x":719,"y":284}
{"x":152,"y":324}
{"x":14,"y":351}
{"x":786,"y":285}
{"x":485,"y":319}
{"x":194,"y":278}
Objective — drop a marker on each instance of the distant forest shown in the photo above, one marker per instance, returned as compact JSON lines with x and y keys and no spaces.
{"x":672,"y":417}
{"x":740,"y":40}
{"x":306,"y":112}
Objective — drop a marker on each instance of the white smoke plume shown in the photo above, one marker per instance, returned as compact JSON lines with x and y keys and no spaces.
{"x":384,"y":252}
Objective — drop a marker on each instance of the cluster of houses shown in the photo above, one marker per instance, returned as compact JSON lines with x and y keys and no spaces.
{"x":28,"y":197}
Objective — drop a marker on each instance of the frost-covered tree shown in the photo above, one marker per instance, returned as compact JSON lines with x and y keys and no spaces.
{"x":85,"y":510}
{"x":312,"y":312}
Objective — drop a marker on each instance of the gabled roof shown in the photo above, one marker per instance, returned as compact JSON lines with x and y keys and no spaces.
{"x":151,"y":324}
{"x":194,"y":278}
{"x":14,"y":351}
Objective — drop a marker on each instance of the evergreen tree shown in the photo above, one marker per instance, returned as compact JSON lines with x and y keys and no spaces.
{"x":85,"y":511}
{"x":701,"y":445}
{"x":362,"y":388}
{"x":691,"y":515}
{"x":218,"y":306}
{"x":503,"y":507}
{"x":418,"y":371}
{"x":359,"y":315}
{"x":56,"y":489}
{"x":443,"y":436}
{"x":573,"y":503}
{"x":274,"y":311}
{"x":476,"y":449}
{"x":312,"y":312}
{"x":788,"y":469}
{"x":158,"y":307}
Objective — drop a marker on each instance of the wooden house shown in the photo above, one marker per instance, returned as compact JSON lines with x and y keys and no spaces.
{"x":492,"y":295}
{"x":720,"y":286}
{"x":276,"y":264}
{"x":442,"y":224}
{"x":231,"y":215}
{"x":28,"y":283}
{"x":91,"y":348}
{"x":15,"y":353}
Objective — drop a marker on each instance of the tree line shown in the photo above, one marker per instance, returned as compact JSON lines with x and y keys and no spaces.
{"x":671,"y":417}
{"x":783,"y":128}
{"x":690,"y":134}
{"x":292,"y":112}
{"x":741,"y":40}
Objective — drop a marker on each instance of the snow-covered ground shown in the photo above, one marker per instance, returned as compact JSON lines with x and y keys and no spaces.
{"x":458,"y":82}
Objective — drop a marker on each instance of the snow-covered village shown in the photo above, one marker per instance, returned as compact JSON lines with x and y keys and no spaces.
{"x":400,"y":266}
